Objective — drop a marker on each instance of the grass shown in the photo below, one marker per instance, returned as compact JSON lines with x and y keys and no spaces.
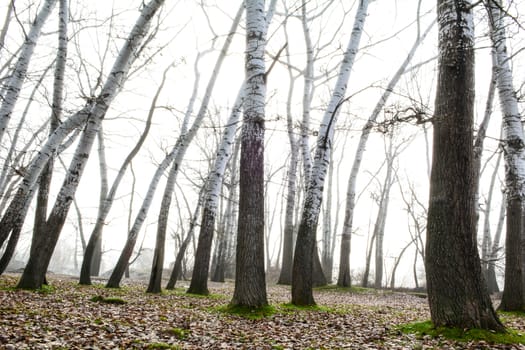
{"x":179,"y":333}
{"x":248,"y":312}
{"x":463,"y":335}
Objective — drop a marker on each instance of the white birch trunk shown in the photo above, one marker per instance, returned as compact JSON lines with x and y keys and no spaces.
{"x":514,"y":140}
{"x":307,"y":95}
{"x":18,"y":75}
{"x":513,"y":298}
{"x":305,"y":245}
{"x":344,"y":278}
{"x":211,"y":200}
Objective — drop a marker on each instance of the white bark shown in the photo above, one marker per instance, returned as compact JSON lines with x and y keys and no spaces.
{"x":18,"y":75}
{"x":514,"y":140}
{"x":305,"y":245}
{"x":327,"y":127}
{"x":307,"y":95}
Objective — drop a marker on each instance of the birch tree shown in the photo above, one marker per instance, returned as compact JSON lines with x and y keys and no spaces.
{"x":513,"y":144}
{"x":250,"y":281}
{"x":456,"y":293}
{"x":306,"y":242}
{"x":199,"y":279}
{"x":344,"y":278}
{"x":56,"y":114}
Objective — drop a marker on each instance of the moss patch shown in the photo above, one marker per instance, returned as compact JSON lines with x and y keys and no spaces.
{"x":463,"y":335}
{"x":248,"y":312}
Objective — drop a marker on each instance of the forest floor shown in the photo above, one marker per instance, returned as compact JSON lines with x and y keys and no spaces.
{"x":69,"y":316}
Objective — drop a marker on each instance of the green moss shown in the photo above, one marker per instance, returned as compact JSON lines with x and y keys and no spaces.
{"x":179,"y":333}
{"x":463,"y":335}
{"x":108,"y":300}
{"x":46,"y":289}
{"x":247,"y":312}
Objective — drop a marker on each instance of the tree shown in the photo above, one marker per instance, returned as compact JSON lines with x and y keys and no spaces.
{"x":250,"y":280}
{"x":305,"y":247}
{"x":513,"y":298}
{"x":456,"y":292}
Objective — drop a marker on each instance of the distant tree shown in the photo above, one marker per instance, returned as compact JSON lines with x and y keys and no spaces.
{"x":456,"y":291}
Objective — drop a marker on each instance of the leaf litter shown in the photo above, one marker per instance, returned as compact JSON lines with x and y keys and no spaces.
{"x":73,"y":317}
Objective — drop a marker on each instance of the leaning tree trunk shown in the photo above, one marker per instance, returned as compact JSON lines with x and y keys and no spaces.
{"x":34,"y":273}
{"x":303,"y":263}
{"x":513,"y":298}
{"x":250,"y":280}
{"x":344,"y":279}
{"x":199,"y":278}
{"x":227,"y":226}
{"x":457,"y":294}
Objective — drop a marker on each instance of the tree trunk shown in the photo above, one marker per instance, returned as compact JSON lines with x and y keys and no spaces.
{"x":199,"y":279}
{"x":250,"y":280}
{"x":285,"y":275}
{"x":513,"y":298}
{"x":305,"y":246}
{"x":456,"y":290}
{"x":227,"y":227}
{"x":43,"y":245}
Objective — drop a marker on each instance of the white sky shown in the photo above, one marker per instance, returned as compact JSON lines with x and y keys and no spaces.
{"x":374,"y":67}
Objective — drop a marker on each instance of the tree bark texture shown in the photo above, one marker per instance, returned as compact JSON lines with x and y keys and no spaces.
{"x":250,"y":280}
{"x":456,"y":290}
